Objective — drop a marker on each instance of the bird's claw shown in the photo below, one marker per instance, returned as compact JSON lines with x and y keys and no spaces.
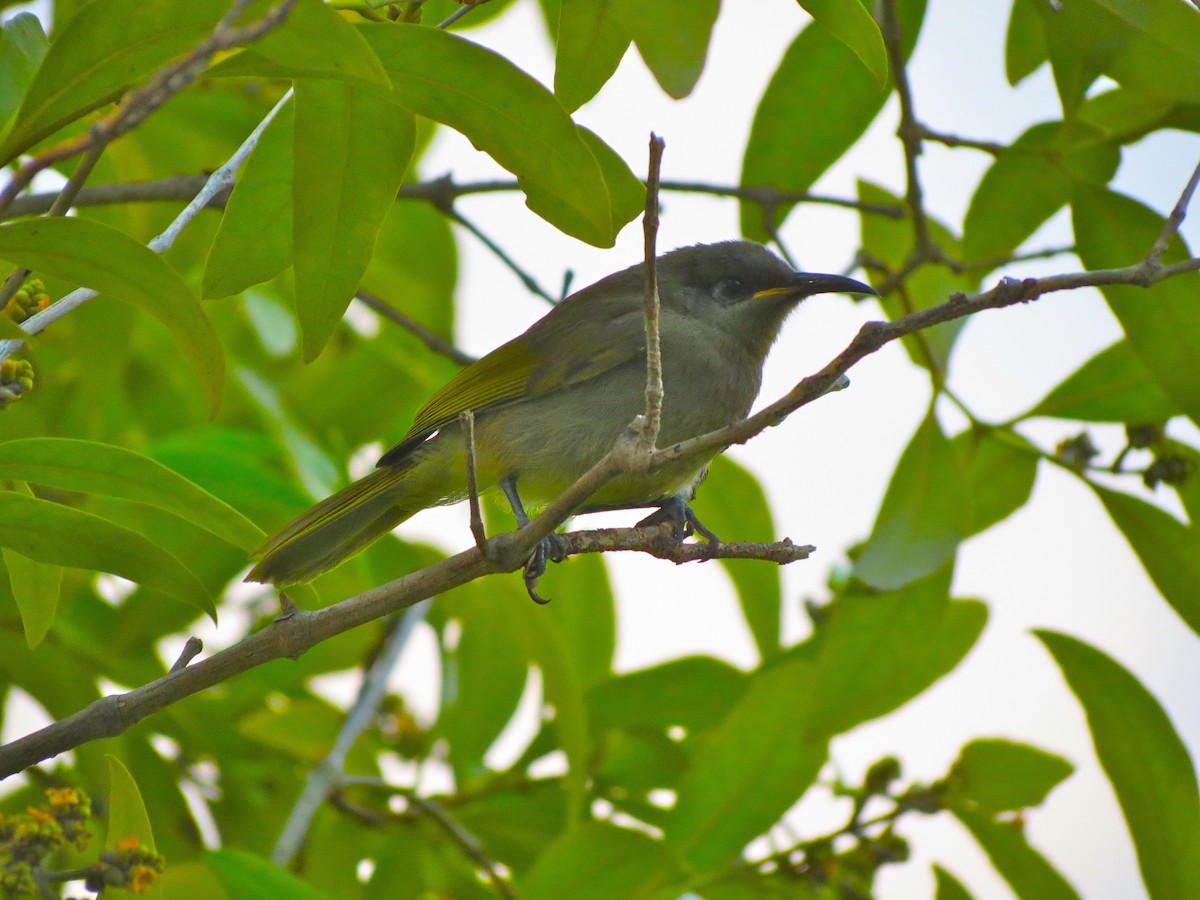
{"x":683,"y":521}
{"x":549,"y":549}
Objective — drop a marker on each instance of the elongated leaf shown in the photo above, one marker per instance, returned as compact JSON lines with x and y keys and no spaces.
{"x":1145,"y":760}
{"x":733,"y":505}
{"x":101,"y":258}
{"x":801,"y":127}
{"x":948,"y":887}
{"x":1025,"y":43}
{"x":1028,"y":873}
{"x":506,"y":114}
{"x":749,"y":770}
{"x":590,"y":45}
{"x":126,"y":812}
{"x":62,"y":536}
{"x":598,"y":862}
{"x":1112,"y":386}
{"x":925,"y":513}
{"x":249,"y":877}
{"x":1001,"y":469}
{"x":23,"y":44}
{"x":317,"y":40}
{"x":109,"y":46}
{"x":695,"y":693}
{"x":672,"y":37}
{"x":1168,"y":549}
{"x":352,"y":149}
{"x":94,"y":468}
{"x":851,"y":24}
{"x":35,"y":588}
{"x":1161,"y":322}
{"x":254,"y":240}
{"x":999,"y":775}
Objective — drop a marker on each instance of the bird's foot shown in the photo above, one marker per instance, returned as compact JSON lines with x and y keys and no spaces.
{"x":683,"y":521}
{"x":549,"y":549}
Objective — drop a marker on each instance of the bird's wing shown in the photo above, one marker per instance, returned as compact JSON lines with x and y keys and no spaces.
{"x":560,"y":350}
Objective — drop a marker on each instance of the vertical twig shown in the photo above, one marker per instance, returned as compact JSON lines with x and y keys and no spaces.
{"x":1171,"y":226}
{"x":648,"y":439}
{"x":466,"y":420}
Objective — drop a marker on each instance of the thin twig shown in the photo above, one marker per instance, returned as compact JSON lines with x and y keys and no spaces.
{"x":466,"y":421}
{"x":769,"y":197}
{"x":1174,"y":220}
{"x":526,"y":279}
{"x":925,"y":133}
{"x":651,"y":312}
{"x":470,"y":845}
{"x":459,"y":13}
{"x":191,"y":649}
{"x":435,"y":343}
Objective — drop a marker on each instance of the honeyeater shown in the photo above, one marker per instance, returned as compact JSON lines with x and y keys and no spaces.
{"x":551,"y":402}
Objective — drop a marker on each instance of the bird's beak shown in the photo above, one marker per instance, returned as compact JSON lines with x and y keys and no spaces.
{"x":808,"y":283}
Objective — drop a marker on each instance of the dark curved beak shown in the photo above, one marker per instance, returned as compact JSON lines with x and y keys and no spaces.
{"x":809,"y":283}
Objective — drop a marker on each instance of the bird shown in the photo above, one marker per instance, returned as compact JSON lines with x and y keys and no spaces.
{"x":551,"y":402}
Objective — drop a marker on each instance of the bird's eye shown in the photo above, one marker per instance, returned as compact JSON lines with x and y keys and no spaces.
{"x":730,"y":290}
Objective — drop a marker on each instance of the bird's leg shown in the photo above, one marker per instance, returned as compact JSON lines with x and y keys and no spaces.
{"x":683,"y":521}
{"x":547,"y":550}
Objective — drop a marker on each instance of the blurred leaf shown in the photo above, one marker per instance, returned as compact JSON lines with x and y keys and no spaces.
{"x":1028,"y":873}
{"x":62,"y":536}
{"x":506,"y":114}
{"x":249,"y":877}
{"x":1001,"y":776}
{"x":1127,"y":114}
{"x":1145,"y":760}
{"x":891,"y":241}
{"x":304,"y":729}
{"x":732,"y":503}
{"x":925,"y":513}
{"x":315,"y":39}
{"x":589,"y":48}
{"x":107,"y":261}
{"x":801,"y":127}
{"x":35,"y":588}
{"x":672,"y":36}
{"x":107,"y":47}
{"x":1025,"y":44}
{"x":1162,"y":322}
{"x":1001,"y":470}
{"x":1167,"y":549}
{"x":93,"y":468}
{"x":949,"y":887}
{"x":518,"y":823}
{"x":1112,"y":386}
{"x":851,"y":24}
{"x":598,"y":861}
{"x":1029,"y":182}
{"x":254,"y":240}
{"x":126,"y":811}
{"x":695,"y":692}
{"x":23,"y":44}
{"x":749,"y":770}
{"x":352,"y":149}
{"x":872,"y":653}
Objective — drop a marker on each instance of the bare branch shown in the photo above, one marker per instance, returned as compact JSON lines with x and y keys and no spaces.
{"x":652,"y":420}
{"x":424,"y":335}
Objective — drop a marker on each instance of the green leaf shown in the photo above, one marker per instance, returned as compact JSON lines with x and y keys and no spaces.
{"x":94,"y":468}
{"x":1001,"y":469}
{"x":851,"y":24}
{"x":506,"y":114}
{"x":672,"y":36}
{"x":126,"y":812}
{"x":1145,"y":760}
{"x":626,"y":192}
{"x":801,"y":127}
{"x":248,"y":877}
{"x":253,"y":243}
{"x":23,"y":44}
{"x":948,"y":887}
{"x":1112,"y":386}
{"x":35,"y":588}
{"x":874,"y":652}
{"x":590,"y":45}
{"x":597,"y":862}
{"x":304,"y":728}
{"x":62,"y":536}
{"x":733,"y":504}
{"x":99,"y":257}
{"x":352,"y":149}
{"x":1162,"y":322}
{"x":695,"y":692}
{"x":998,"y":775}
{"x":1025,"y":43}
{"x":315,"y":39}
{"x":749,"y":770}
{"x":1167,"y":549}
{"x":107,"y":47}
{"x":925,"y":513}
{"x":1027,"y":872}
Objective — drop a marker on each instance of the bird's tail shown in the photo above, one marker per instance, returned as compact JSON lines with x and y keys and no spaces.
{"x":342,"y":525}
